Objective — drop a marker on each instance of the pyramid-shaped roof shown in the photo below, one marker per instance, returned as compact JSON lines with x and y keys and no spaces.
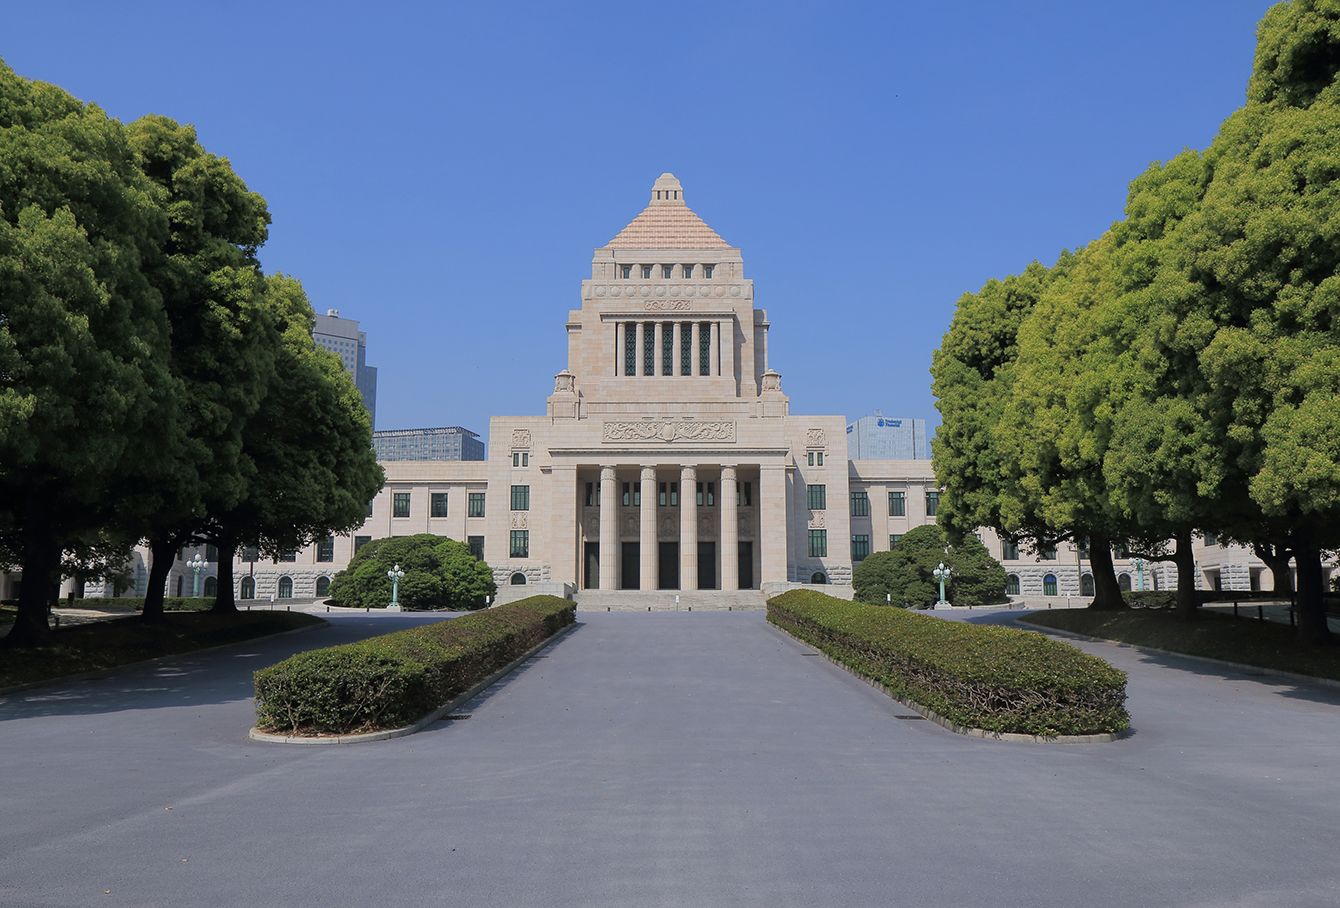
{"x":667,"y":223}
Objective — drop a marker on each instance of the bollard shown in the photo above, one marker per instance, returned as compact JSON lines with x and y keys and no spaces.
{"x":1260,"y":612}
{"x":690,"y":608}
{"x":1291,"y":617}
{"x":1235,"y":608}
{"x":327,"y":610}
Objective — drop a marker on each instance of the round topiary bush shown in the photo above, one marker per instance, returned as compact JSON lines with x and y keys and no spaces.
{"x":439,"y":573}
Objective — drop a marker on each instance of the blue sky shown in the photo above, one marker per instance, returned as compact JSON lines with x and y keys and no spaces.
{"x":442,"y":171}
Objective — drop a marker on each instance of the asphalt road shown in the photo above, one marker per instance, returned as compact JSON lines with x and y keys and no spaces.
{"x":675,"y":759}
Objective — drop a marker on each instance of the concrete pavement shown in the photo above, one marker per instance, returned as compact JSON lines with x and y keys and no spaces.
{"x":666,"y":759}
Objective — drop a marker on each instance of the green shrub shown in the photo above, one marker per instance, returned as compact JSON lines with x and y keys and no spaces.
{"x":439,"y":573}
{"x":136,"y":603}
{"x":904,"y":574}
{"x":978,"y":676}
{"x":392,"y":680}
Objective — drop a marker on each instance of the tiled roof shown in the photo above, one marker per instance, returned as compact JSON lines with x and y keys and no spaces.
{"x":667,"y":223}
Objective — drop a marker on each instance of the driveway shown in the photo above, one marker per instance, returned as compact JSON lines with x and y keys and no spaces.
{"x":673,"y":759}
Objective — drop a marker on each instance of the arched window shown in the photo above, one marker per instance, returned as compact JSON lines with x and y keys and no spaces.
{"x":1124,"y":581}
{"x":1049,"y":585}
{"x":248,"y":588}
{"x":1086,"y":585}
{"x":211,"y":586}
{"x":323,"y":586}
{"x":285,"y":587}
{"x":518,"y":579}
{"x":1012,"y":585}
{"x":818,"y":577}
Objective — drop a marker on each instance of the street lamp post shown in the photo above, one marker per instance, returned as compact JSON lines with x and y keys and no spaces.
{"x":396,"y":574}
{"x":196,"y":564}
{"x":941,"y":573}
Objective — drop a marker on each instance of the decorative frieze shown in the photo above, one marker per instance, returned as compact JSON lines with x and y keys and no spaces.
{"x":668,"y":305}
{"x":669,"y":430}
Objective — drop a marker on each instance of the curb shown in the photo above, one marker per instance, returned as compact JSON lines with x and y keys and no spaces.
{"x":1210,"y":660}
{"x":102,"y":672}
{"x":256,"y":734}
{"x":949,"y":725}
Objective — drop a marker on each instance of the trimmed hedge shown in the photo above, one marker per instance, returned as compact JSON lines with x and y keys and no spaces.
{"x":395,"y":679}
{"x":979,"y":676}
{"x":136,"y":603}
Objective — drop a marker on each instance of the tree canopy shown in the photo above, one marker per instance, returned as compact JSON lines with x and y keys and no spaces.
{"x":439,"y":573}
{"x":903,"y":576}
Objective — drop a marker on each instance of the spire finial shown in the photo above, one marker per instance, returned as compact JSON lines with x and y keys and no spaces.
{"x":667,"y":191}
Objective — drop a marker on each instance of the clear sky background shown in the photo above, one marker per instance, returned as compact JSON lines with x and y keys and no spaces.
{"x":443,"y":171}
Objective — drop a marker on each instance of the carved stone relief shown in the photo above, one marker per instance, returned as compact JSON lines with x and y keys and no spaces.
{"x":519,"y":520}
{"x":668,"y":430}
{"x":521,"y":438}
{"x":817,"y":520}
{"x":815,"y":438}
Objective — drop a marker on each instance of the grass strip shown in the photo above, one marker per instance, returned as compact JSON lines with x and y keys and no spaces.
{"x":1265,"y":644}
{"x":118,"y":641}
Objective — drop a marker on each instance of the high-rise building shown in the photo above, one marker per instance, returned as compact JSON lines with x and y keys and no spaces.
{"x":881,"y":437}
{"x":443,"y":443}
{"x":351,"y":345}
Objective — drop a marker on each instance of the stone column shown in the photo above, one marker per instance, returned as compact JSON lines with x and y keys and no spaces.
{"x":730,"y":531}
{"x":772,"y":518}
{"x":647,"y":547}
{"x":609,"y":529}
{"x":688,"y":527}
{"x":675,"y":354}
{"x":618,"y":348}
{"x":716,"y":348}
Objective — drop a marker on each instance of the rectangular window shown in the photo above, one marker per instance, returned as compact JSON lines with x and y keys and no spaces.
{"x":667,"y":348}
{"x":1210,"y":539}
{"x":818,"y":543}
{"x":646,"y":271}
{"x":476,"y":544}
{"x":662,"y":494}
{"x":1083,"y":545}
{"x":627,"y":494}
{"x":475,"y":505}
{"x":897,"y":504}
{"x":707,"y":494}
{"x":360,"y":541}
{"x":400,"y":504}
{"x":688,"y":271}
{"x":516,"y":458}
{"x":744,"y":494}
{"x":685,"y":347}
{"x":704,"y":348}
{"x":860,"y":547}
{"x":707,"y":271}
{"x":325,"y":549}
{"x":626,"y":271}
{"x":667,"y":271}
{"x":893,"y":539}
{"x":251,"y":553}
{"x":212,"y":551}
{"x":932,"y":503}
{"x":437,"y":504}
{"x":1047,"y":553}
{"x":817,"y":496}
{"x":809,"y":459}
{"x":860,"y":505}
{"x":591,"y":499}
{"x":288,"y":556}
{"x":1009,"y":551}
{"x":520,"y":498}
{"x":370,"y":503}
{"x":630,"y":348}
{"x":525,"y":458}
{"x":674,"y":494}
{"x":520,"y":544}
{"x":648,"y":348}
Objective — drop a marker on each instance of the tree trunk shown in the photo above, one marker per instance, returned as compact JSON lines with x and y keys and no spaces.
{"x":1185,"y":559}
{"x":224,"y":598}
{"x":1107,"y":592}
{"x":1312,"y":625}
{"x":41,"y":568}
{"x":162,"y":553}
{"x":1277,"y":559}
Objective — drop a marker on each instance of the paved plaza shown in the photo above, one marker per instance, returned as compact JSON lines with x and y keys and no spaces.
{"x":675,"y":759}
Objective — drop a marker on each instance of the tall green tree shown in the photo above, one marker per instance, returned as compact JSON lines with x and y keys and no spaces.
{"x":83,"y":337}
{"x":224,"y":341}
{"x":439,"y":573}
{"x":307,"y":448}
{"x":904,"y":575}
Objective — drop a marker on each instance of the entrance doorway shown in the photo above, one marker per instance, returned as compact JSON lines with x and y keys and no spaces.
{"x":707,"y":565}
{"x":668,"y":566}
{"x":591,"y":566}
{"x":628,"y":579}
{"x":746,"y":565}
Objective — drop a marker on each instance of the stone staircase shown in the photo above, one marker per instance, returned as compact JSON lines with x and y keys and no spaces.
{"x":664,"y":601}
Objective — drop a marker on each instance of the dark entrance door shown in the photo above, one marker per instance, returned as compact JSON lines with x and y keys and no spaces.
{"x":707,"y":565}
{"x":668,"y":566}
{"x":746,"y":565}
{"x":591,"y":566}
{"x":629,"y":579}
